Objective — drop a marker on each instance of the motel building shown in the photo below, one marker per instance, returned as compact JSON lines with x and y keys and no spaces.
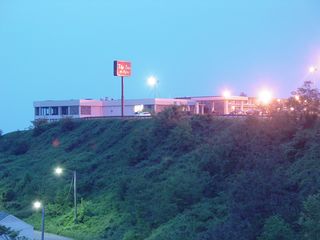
{"x":221,"y":105}
{"x":53,"y":110}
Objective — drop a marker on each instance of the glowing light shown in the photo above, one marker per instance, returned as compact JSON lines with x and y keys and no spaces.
{"x":152,"y":81}
{"x":226,"y":93}
{"x":297,"y":97}
{"x":138,"y":108}
{"x":292,"y":109}
{"x":278,"y":100}
{"x":313,"y":69}
{"x":58,"y":171}
{"x":265,"y":97}
{"x":37,"y":205}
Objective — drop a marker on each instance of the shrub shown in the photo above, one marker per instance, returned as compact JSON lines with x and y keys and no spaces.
{"x":39,"y":126}
{"x":21,"y":148}
{"x":310,"y":217}
{"x":67,"y":125}
{"x":276,"y":228}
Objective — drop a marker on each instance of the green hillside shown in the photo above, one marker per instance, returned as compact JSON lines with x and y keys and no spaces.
{"x":172,"y":177}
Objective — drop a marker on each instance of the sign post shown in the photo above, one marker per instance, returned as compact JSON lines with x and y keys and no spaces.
{"x":122,"y":69}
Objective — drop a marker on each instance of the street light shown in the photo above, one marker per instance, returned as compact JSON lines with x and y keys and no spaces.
{"x":313,"y":69}
{"x":37,"y":205}
{"x":226,"y":93}
{"x":59,"y":171}
{"x":265,"y":97}
{"x":153,"y":83}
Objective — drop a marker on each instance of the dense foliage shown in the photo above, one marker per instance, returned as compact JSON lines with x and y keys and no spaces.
{"x":171,"y":177}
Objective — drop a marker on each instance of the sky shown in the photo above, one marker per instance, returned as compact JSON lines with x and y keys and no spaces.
{"x":64,"y":49}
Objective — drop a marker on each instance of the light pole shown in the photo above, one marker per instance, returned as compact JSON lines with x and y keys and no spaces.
{"x":59,"y":171}
{"x":37,"y":205}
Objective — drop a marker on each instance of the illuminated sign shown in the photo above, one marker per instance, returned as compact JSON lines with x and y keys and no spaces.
{"x":121,"y":68}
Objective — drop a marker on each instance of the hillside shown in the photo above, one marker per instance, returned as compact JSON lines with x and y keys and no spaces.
{"x":172,"y":177}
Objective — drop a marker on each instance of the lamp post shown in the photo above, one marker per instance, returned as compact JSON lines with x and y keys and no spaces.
{"x":59,"y":171}
{"x":37,"y":205}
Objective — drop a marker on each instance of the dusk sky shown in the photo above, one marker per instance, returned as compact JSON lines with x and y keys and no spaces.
{"x":64,"y":49}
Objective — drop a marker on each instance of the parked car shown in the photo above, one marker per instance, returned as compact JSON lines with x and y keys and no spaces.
{"x":143,"y":114}
{"x":253,"y":112}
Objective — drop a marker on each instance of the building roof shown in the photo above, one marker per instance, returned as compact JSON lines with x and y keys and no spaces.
{"x":3,"y":215}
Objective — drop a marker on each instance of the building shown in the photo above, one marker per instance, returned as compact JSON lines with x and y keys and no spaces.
{"x":54,"y":110}
{"x":17,"y":225}
{"x":221,"y":105}
{"x":87,"y":108}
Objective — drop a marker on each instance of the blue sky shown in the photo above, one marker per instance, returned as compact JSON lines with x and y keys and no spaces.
{"x":64,"y":49}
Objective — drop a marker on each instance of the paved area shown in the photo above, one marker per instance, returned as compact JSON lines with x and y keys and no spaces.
{"x":48,"y":236}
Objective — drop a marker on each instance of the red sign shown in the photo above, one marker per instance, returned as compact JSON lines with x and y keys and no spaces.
{"x":121,"y":68}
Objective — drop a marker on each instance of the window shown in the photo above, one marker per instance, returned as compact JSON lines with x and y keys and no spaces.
{"x":74,"y":110}
{"x":36,"y":111}
{"x":44,"y":111}
{"x":85,"y":110}
{"x":54,"y":111}
{"x":64,"y":111}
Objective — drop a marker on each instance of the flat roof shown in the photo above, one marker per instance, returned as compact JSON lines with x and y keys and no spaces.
{"x":3,"y":215}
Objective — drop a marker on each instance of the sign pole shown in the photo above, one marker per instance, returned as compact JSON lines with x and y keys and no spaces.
{"x":122,"y":96}
{"x":122,"y":69}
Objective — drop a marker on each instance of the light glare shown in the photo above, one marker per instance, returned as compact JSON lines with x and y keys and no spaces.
{"x":312,"y":69}
{"x":226,"y":93}
{"x":152,"y":81}
{"x":58,"y":171}
{"x":265,"y":97}
{"x":37,"y":205}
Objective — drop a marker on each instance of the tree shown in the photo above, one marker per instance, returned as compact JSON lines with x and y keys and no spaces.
{"x":275,"y":228}
{"x":305,"y":102}
{"x":8,"y":234}
{"x":310,"y":218}
{"x":39,"y":126}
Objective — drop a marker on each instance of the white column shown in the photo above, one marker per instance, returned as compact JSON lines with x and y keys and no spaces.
{"x":226,"y":107}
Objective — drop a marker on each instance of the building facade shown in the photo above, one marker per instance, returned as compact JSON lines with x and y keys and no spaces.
{"x":221,"y":105}
{"x":87,"y":108}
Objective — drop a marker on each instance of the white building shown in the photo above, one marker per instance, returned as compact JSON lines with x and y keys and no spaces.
{"x":88,"y":108}
{"x":221,"y":105}
{"x":54,"y":110}
{"x":17,"y":225}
